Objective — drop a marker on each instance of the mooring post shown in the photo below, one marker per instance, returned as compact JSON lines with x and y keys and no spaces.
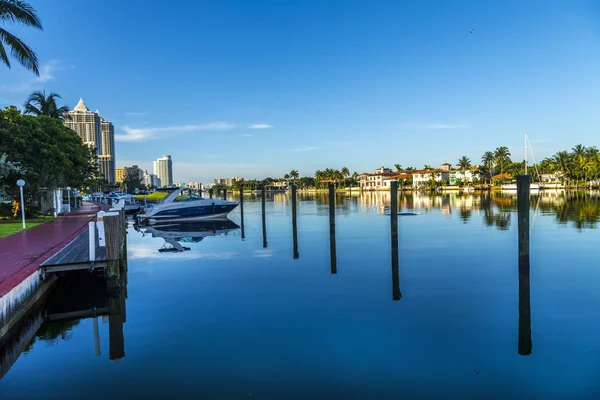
{"x":113,"y":232}
{"x":224,"y":194}
{"x":332,"y":247}
{"x":525,"y":344}
{"x":100,"y":227}
{"x":264,"y":218}
{"x":295,"y":222}
{"x":396,"y":294}
{"x":92,"y":240}
{"x":210,"y":192}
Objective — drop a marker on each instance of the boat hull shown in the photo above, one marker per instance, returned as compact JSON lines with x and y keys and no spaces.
{"x":533,"y":186}
{"x":183,"y":214}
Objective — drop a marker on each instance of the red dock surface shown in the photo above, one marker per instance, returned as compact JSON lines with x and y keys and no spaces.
{"x":21,"y":254}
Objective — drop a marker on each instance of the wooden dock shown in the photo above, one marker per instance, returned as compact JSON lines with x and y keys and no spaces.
{"x":75,"y":255}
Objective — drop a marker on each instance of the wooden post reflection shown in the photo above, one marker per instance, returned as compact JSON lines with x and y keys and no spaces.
{"x":294,"y":223}
{"x":242,"y":210}
{"x":332,"y":249}
{"x":525,"y":344}
{"x":96,"y":336}
{"x":396,"y":294}
{"x":264,"y":219}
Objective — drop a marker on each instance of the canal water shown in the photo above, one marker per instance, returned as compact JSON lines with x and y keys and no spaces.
{"x":243,"y":314}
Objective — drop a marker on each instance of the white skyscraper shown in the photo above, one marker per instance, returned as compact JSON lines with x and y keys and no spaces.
{"x":163,"y":168}
{"x":95,"y":132}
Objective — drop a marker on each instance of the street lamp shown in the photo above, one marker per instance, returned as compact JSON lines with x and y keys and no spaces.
{"x":21,"y":183}
{"x":69,"y":198}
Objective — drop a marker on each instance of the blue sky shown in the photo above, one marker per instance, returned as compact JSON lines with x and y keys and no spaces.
{"x":257,"y":88}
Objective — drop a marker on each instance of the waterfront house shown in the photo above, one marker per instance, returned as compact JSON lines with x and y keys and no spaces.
{"x":421,"y":177}
{"x":467,"y":175}
{"x":402,"y":177}
{"x":374,"y":181}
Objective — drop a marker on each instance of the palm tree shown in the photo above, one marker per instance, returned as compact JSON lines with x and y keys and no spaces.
{"x":464,"y":163}
{"x":38,"y":104}
{"x":562,"y":163}
{"x":427,"y":167}
{"x":294,"y":174}
{"x":398,"y":167}
{"x":487,"y":160}
{"x":502,"y":157}
{"x":17,"y":11}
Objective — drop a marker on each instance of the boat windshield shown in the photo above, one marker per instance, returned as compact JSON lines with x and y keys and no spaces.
{"x":189,"y":197}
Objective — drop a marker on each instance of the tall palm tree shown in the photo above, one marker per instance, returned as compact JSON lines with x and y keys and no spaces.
{"x":294,"y":174}
{"x":20,"y":12}
{"x":464,"y":163}
{"x":427,"y":167}
{"x":562,"y":163}
{"x":579,"y":161}
{"x":487,"y":160}
{"x":398,"y":167}
{"x":39,"y":104}
{"x":502,"y":157}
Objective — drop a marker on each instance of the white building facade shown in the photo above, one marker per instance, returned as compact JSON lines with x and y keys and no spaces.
{"x":163,"y":169}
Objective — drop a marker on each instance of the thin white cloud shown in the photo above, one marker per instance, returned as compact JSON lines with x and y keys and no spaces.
{"x":136,"y":114}
{"x":260,"y":126}
{"x":138,"y":134}
{"x":247,"y":135}
{"x":307,"y":148}
{"x":434,"y":126}
{"x":47,"y":73}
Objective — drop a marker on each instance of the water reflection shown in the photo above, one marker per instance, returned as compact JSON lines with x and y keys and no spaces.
{"x":77,"y":295}
{"x":332,"y":246}
{"x":175,"y":234}
{"x":578,"y":209}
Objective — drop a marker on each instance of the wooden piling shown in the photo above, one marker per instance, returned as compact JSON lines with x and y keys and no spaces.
{"x":332,"y":246}
{"x":210,"y":192}
{"x":525,"y":344}
{"x":264,"y":218}
{"x":113,"y":232}
{"x":224,"y":194}
{"x":294,"y":223}
{"x":396,"y":294}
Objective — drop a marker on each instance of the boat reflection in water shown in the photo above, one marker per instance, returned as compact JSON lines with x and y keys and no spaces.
{"x":175,"y":234}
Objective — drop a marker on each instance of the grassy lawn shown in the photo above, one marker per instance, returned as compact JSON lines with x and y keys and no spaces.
{"x":11,"y":226}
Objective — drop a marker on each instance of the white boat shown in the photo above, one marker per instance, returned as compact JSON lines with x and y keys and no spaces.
{"x":513,"y":186}
{"x":185,"y":208}
{"x":176,"y":233}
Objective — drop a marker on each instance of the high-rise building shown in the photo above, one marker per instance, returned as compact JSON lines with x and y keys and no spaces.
{"x":107,"y":158}
{"x":95,"y":132}
{"x":151,"y":180}
{"x":119,"y":175}
{"x":163,"y":168}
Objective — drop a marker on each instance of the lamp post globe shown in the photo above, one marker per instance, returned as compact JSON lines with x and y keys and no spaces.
{"x":20,"y":183}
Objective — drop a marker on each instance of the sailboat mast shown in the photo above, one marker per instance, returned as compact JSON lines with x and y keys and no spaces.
{"x":525,"y":154}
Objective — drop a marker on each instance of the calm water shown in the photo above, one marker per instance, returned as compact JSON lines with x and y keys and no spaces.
{"x":231,"y":319}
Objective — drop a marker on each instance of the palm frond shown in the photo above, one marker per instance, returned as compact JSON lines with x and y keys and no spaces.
{"x":20,"y":12}
{"x":4,"y":56}
{"x":23,"y":53}
{"x":31,"y":109}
